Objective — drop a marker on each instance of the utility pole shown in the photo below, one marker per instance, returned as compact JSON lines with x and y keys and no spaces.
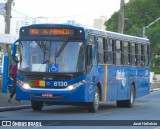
{"x":6,"y":47}
{"x":8,"y":16}
{"x":8,"y":19}
{"x":121,"y":17}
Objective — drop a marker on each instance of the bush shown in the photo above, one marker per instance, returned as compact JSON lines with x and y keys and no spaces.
{"x":156,"y":70}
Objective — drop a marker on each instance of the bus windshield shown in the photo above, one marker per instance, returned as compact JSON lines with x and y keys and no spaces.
{"x":51,"y":56}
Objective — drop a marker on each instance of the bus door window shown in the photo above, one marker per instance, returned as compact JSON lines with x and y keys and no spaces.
{"x":90,"y":48}
{"x":80,"y":62}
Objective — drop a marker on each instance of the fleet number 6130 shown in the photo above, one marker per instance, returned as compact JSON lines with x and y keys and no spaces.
{"x":60,"y":83}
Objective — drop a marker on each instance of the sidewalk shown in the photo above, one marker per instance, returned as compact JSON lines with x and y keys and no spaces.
{"x":15,"y":105}
{"x":154,"y":87}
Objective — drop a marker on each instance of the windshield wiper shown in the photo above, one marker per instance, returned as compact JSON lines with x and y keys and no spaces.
{"x":61,"y":48}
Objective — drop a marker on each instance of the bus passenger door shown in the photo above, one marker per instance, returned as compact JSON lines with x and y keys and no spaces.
{"x":92,"y":71}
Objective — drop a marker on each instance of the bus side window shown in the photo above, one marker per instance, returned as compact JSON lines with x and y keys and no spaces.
{"x":129,"y":54}
{"x":110,"y":51}
{"x":119,"y":51}
{"x":136,"y":54}
{"x":126,"y":53}
{"x":146,"y":54}
{"x":140,"y":55}
{"x":105,"y":46}
{"x":142,"y":61}
{"x":133,"y":54}
{"x":100,"y":50}
{"x":114,"y":51}
{"x":122,"y":52}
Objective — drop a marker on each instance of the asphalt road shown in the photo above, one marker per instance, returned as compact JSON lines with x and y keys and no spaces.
{"x":145,"y":109}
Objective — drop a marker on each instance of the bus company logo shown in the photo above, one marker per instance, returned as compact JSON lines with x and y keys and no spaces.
{"x":6,"y":123}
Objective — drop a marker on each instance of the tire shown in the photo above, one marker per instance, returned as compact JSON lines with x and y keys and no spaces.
{"x":36,"y":106}
{"x":130,"y":102}
{"x":94,"y":106}
{"x":120,"y":103}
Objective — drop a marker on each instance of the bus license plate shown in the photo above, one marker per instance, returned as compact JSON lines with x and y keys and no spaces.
{"x":47,"y":95}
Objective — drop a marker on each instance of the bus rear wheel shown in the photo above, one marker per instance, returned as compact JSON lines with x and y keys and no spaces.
{"x":36,"y":106}
{"x":130,"y":102}
{"x":94,"y":106}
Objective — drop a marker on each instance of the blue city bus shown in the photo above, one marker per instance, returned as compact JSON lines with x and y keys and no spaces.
{"x":66,"y":64}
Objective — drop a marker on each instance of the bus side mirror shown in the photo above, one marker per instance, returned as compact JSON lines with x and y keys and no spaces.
{"x":89,"y":54}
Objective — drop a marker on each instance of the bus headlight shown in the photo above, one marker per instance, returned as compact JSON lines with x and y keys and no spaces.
{"x":76,"y":85}
{"x":23,"y":84}
{"x":26,"y":86}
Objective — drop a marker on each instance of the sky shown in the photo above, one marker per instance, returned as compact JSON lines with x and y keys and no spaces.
{"x":60,"y":11}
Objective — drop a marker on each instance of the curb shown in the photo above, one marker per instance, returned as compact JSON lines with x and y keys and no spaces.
{"x":157,"y":89}
{"x":11,"y":108}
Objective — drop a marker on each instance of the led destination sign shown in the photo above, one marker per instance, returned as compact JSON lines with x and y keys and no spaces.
{"x":51,"y":31}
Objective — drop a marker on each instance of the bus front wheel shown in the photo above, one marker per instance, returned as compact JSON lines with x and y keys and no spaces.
{"x":94,"y":106}
{"x":36,"y":106}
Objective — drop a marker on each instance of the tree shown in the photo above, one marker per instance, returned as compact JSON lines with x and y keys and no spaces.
{"x":139,"y":13}
{"x":112,"y":23}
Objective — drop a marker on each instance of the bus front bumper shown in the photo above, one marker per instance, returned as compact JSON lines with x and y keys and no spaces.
{"x":52,"y":95}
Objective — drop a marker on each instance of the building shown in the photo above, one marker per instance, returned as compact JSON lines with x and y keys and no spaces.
{"x":28,"y":21}
{"x":98,"y":23}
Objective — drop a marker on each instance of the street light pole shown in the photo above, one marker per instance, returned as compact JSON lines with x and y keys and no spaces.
{"x":145,"y":27}
{"x":121,"y":17}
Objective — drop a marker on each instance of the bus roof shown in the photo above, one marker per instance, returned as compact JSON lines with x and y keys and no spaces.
{"x":53,"y":25}
{"x":119,"y":36}
{"x":108,"y":34}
